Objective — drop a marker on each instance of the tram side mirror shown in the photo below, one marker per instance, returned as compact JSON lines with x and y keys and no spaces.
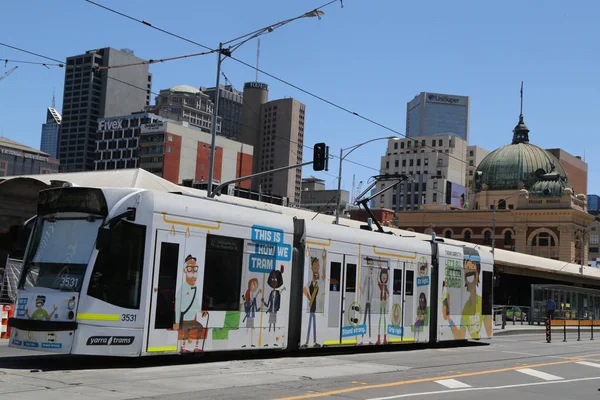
{"x":104,"y":238}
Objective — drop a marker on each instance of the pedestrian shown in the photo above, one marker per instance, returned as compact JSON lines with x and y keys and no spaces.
{"x":551,"y":306}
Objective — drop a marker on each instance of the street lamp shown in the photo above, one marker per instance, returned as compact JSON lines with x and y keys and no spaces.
{"x":342,"y":157}
{"x":226,"y":52}
{"x":522,"y":192}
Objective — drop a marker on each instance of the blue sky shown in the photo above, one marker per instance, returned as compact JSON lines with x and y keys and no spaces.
{"x":371,"y":57}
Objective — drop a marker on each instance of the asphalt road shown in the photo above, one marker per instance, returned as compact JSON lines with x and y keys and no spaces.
{"x":520,"y":366}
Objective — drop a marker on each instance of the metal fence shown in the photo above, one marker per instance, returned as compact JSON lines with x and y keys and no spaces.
{"x":517,"y":315}
{"x":10,"y":281}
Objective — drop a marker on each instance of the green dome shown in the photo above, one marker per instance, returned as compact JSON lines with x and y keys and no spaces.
{"x":518,"y":165}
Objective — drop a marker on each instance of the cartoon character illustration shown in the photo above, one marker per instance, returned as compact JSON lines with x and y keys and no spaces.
{"x":421,"y":319}
{"x":368,"y":289}
{"x":396,"y":315}
{"x":311,"y":291}
{"x":187,"y":305}
{"x":383,"y":298}
{"x":40,"y":314}
{"x":275,"y":281}
{"x":471,"y":319}
{"x":250,"y":307}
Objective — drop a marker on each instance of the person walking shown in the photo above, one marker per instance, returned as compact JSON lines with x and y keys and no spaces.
{"x":551,"y":306}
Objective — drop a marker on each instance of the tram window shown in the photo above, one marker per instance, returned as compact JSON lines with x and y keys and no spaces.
{"x":410,"y":281}
{"x":487,"y":300}
{"x":350,"y":278}
{"x":334,"y":280}
{"x":117,"y":275}
{"x":223,"y":265}
{"x":167,"y":280}
{"x":397,"y":289}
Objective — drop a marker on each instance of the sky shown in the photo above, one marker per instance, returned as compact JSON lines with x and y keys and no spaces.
{"x":370,"y":57}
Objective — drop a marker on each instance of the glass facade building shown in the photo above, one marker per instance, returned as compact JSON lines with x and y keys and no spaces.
{"x":593,"y":201}
{"x":438,"y":114}
{"x":50,"y":133}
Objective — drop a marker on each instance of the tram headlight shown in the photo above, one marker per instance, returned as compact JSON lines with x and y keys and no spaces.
{"x":71,"y":315}
{"x":71,"y":304}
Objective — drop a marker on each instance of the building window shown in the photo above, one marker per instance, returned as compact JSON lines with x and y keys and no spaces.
{"x":543,"y":239}
{"x":435,"y":197}
{"x":448,"y":234}
{"x":470,"y":153}
{"x":426,"y":161}
{"x":487,"y":238}
{"x":467,"y":237}
{"x":382,"y":198}
{"x":440,"y":162}
{"x":387,"y":164}
{"x":396,"y":163}
{"x":223,"y":266}
{"x":404,"y":163}
{"x":508,"y":238}
{"x":401,"y":145}
{"x":395,"y":145}
{"x":410,"y":162}
{"x":502,"y":204}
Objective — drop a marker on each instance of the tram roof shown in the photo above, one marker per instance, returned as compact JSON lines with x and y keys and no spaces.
{"x":142,"y":179}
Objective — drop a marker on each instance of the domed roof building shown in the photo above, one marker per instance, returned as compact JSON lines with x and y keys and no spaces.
{"x":519,"y":165}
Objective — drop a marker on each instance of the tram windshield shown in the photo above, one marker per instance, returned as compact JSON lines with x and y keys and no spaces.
{"x":63,"y":238}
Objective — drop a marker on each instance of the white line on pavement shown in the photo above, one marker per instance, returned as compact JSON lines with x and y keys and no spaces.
{"x":589,"y":364}
{"x":484,"y":388}
{"x":452,"y":383}
{"x":521,"y":353}
{"x":539,"y":374}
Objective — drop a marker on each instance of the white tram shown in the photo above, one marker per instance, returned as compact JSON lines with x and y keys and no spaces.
{"x":130,"y":272}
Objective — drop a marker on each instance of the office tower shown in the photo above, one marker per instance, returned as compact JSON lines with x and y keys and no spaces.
{"x":438,"y":114}
{"x":230,"y":109}
{"x":51,"y":132}
{"x":92,"y":92}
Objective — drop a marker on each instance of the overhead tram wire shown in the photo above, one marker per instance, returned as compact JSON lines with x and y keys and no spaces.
{"x":331,"y":103}
{"x":6,"y":61}
{"x":159,"y":95}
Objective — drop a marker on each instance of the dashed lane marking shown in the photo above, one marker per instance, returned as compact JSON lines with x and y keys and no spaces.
{"x":539,"y":374}
{"x":452,"y":383}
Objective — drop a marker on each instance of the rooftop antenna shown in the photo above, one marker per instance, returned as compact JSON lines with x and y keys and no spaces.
{"x":53,"y":99}
{"x":521,"y":97}
{"x":257,"y":58}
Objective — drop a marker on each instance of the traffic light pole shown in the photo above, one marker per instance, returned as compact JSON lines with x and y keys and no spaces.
{"x":245,"y":178}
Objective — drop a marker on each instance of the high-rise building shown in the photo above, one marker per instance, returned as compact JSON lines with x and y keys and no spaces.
{"x":173,"y":150}
{"x":593,"y":204}
{"x":91,"y":93}
{"x":437,"y":166}
{"x":230,"y":109}
{"x":276,"y":131}
{"x":51,"y":132}
{"x":186,"y":104}
{"x":475,"y":155}
{"x":438,"y":114}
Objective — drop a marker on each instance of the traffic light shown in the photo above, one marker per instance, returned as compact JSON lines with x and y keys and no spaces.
{"x":320,"y":157}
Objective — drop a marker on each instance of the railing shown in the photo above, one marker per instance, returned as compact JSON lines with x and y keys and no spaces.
{"x":504,"y":313}
{"x":571,"y":323}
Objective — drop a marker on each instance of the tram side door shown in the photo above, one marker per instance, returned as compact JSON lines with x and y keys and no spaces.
{"x":169,"y":258}
{"x":398,"y":313}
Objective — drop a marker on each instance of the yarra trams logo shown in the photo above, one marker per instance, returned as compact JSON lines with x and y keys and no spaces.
{"x":110,"y":340}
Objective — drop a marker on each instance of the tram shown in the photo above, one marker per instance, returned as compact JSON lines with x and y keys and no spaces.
{"x":129,"y":272}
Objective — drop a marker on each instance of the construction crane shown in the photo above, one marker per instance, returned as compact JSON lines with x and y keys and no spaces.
{"x":10,"y":71}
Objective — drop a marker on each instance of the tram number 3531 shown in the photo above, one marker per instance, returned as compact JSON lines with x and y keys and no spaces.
{"x":128,"y":317}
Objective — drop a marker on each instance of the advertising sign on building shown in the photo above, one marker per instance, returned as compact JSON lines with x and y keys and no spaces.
{"x":455,"y":194}
{"x":17,"y":153}
{"x":157,"y":126}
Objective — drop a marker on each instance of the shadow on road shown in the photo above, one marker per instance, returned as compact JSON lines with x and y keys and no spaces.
{"x":43,"y":362}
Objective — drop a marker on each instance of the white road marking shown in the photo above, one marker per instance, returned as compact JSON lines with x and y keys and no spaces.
{"x":452,"y":384}
{"x":471,"y":389}
{"x":588,"y":364}
{"x":519,"y":353}
{"x":539,"y":374}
